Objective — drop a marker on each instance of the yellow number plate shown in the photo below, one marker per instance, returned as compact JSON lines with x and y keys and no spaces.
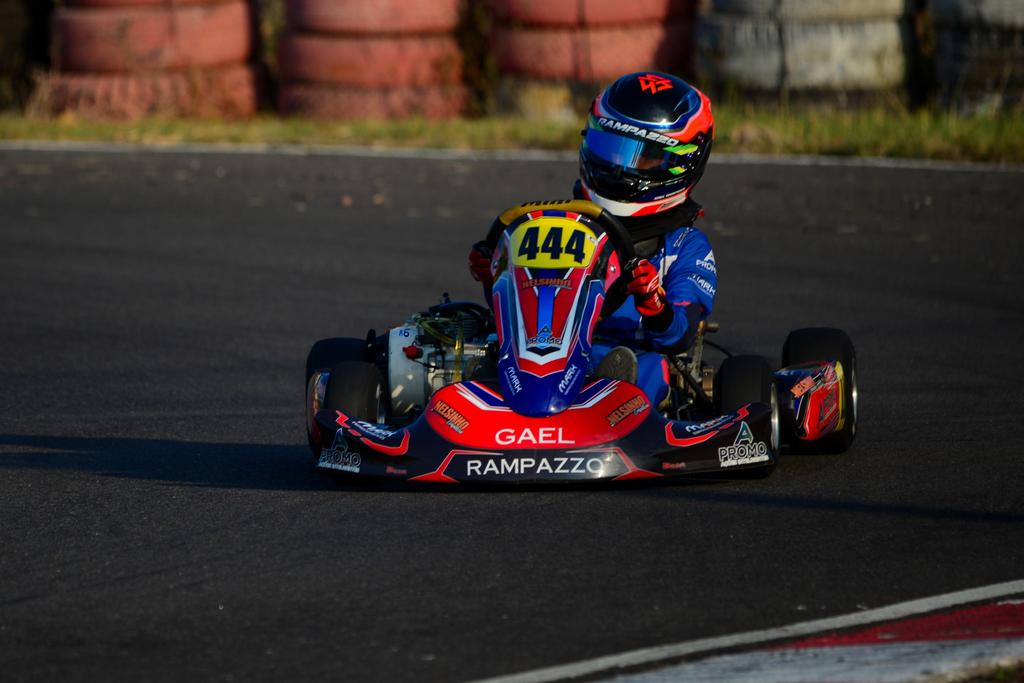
{"x":552,"y":242}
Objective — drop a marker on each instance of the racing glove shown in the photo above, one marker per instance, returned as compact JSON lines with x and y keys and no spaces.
{"x":649,"y":295}
{"x":480,"y":264}
{"x":645,"y":286}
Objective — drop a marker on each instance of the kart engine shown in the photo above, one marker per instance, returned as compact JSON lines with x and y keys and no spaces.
{"x":430,"y":351}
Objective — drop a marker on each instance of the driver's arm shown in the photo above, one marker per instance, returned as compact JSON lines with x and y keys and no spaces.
{"x":480,"y":267}
{"x":689,"y":282}
{"x":480,"y":263}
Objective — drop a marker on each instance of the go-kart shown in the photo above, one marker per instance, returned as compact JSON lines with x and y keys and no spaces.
{"x":506,"y":394}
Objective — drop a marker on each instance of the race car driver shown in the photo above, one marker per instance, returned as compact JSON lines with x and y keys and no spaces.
{"x":645,"y":146}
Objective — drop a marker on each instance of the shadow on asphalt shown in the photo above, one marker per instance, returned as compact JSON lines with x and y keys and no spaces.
{"x":290,"y":468}
{"x":224,"y":465}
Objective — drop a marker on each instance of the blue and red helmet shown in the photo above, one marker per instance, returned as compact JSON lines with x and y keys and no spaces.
{"x":647,"y":141}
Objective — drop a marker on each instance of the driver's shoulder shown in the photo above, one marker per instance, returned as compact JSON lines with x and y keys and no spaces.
{"x":684,"y":237}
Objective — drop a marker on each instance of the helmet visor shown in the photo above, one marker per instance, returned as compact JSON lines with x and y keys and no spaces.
{"x":647,"y":159}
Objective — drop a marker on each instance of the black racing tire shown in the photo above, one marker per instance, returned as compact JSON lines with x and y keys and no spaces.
{"x":744,"y":379}
{"x":327,"y":353}
{"x":815,"y":344}
{"x":741,"y":380}
{"x":357,"y":389}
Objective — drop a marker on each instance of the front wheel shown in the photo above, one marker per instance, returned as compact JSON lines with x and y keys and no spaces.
{"x":818,"y":344}
{"x":327,"y":353}
{"x":748,"y":379}
{"x":357,"y":390}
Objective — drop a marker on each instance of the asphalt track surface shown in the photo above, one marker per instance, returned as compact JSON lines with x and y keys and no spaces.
{"x":160,"y":519}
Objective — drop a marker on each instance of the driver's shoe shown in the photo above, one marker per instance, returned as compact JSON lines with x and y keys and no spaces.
{"x":620,"y":364}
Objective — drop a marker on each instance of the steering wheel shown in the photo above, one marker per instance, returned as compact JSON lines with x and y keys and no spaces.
{"x":617,"y":233}
{"x":613,"y":227}
{"x":481,"y":314}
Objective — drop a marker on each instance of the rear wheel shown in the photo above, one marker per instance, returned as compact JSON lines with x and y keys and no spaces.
{"x":748,"y":379}
{"x":816,"y":344}
{"x":742,"y":380}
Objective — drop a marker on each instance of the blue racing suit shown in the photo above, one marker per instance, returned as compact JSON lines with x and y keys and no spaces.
{"x":686,"y":263}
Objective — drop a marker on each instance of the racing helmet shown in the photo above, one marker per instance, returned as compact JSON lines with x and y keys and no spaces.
{"x":647,"y":141}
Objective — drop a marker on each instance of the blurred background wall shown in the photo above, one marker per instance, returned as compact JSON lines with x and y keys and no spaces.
{"x":447,"y":58}
{"x":389,"y":58}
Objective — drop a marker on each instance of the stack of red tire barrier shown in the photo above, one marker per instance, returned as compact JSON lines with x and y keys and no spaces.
{"x":352,"y":59}
{"x":131,"y":58}
{"x":591,"y":40}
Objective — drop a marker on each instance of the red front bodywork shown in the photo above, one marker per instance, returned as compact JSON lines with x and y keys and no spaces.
{"x":463,"y":415}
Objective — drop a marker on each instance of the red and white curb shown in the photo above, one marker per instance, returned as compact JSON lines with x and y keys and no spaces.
{"x":938,"y":645}
{"x":901,"y":642}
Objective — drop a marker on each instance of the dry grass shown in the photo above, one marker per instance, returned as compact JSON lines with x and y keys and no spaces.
{"x":875,"y":131}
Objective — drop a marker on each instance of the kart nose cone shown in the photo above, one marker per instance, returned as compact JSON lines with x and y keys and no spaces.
{"x":539,"y":396}
{"x":554,"y":406}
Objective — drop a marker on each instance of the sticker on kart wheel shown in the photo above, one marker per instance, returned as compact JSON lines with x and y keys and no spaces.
{"x":552,"y":242}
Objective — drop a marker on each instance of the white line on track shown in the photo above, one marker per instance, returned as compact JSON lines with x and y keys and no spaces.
{"x":490,"y":155}
{"x":652,"y":655}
